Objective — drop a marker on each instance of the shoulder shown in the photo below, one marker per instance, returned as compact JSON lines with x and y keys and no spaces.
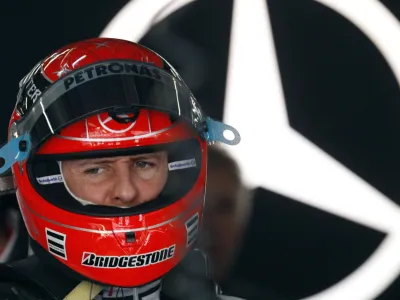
{"x":189,"y":279}
{"x":6,"y":291}
{"x":14,"y":284}
{"x":18,"y":290}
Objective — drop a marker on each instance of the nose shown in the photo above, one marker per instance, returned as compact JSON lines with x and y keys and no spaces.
{"x":125,"y":191}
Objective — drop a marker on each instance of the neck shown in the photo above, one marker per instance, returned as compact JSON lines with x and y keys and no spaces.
{"x":148,"y":291}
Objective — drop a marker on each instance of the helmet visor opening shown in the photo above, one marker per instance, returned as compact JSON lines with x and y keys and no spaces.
{"x":112,"y":183}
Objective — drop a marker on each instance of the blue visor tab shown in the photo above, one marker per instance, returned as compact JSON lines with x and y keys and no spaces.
{"x":220,"y":132}
{"x":16,"y":150}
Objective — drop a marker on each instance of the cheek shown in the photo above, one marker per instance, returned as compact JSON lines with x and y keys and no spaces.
{"x":95,"y":193}
{"x":223,"y":227}
{"x":151,"y":188}
{"x":224,"y":224}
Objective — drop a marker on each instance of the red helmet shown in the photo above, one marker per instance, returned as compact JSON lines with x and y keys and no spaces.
{"x":100,"y":98}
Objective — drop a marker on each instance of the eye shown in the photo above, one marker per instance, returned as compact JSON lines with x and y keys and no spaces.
{"x":143,"y":164}
{"x":93,"y":171}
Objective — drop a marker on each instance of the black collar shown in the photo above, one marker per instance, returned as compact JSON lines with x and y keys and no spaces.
{"x":37,"y":278}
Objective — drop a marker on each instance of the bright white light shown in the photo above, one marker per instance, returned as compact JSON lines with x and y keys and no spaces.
{"x":137,"y":17}
{"x":273,"y":155}
{"x":286,"y":162}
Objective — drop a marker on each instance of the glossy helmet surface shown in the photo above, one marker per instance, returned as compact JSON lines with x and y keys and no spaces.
{"x":99,"y":98}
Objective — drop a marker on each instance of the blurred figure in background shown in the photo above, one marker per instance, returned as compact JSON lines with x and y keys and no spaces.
{"x":13,"y":235}
{"x":232,"y":232}
{"x":226,"y":213}
{"x":9,"y":231}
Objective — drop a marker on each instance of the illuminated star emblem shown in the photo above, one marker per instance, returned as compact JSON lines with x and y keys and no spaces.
{"x":64,"y":70}
{"x":109,"y":118}
{"x":293,"y":166}
{"x":115,"y":127}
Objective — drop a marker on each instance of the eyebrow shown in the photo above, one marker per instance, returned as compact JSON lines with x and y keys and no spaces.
{"x":149,"y":155}
{"x":111,"y":160}
{"x":94,"y":161}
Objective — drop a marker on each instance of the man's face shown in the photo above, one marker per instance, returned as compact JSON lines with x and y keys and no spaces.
{"x":123,"y":181}
{"x":221,"y":223}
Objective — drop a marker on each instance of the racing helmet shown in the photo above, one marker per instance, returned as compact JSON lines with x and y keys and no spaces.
{"x":102,"y":98}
